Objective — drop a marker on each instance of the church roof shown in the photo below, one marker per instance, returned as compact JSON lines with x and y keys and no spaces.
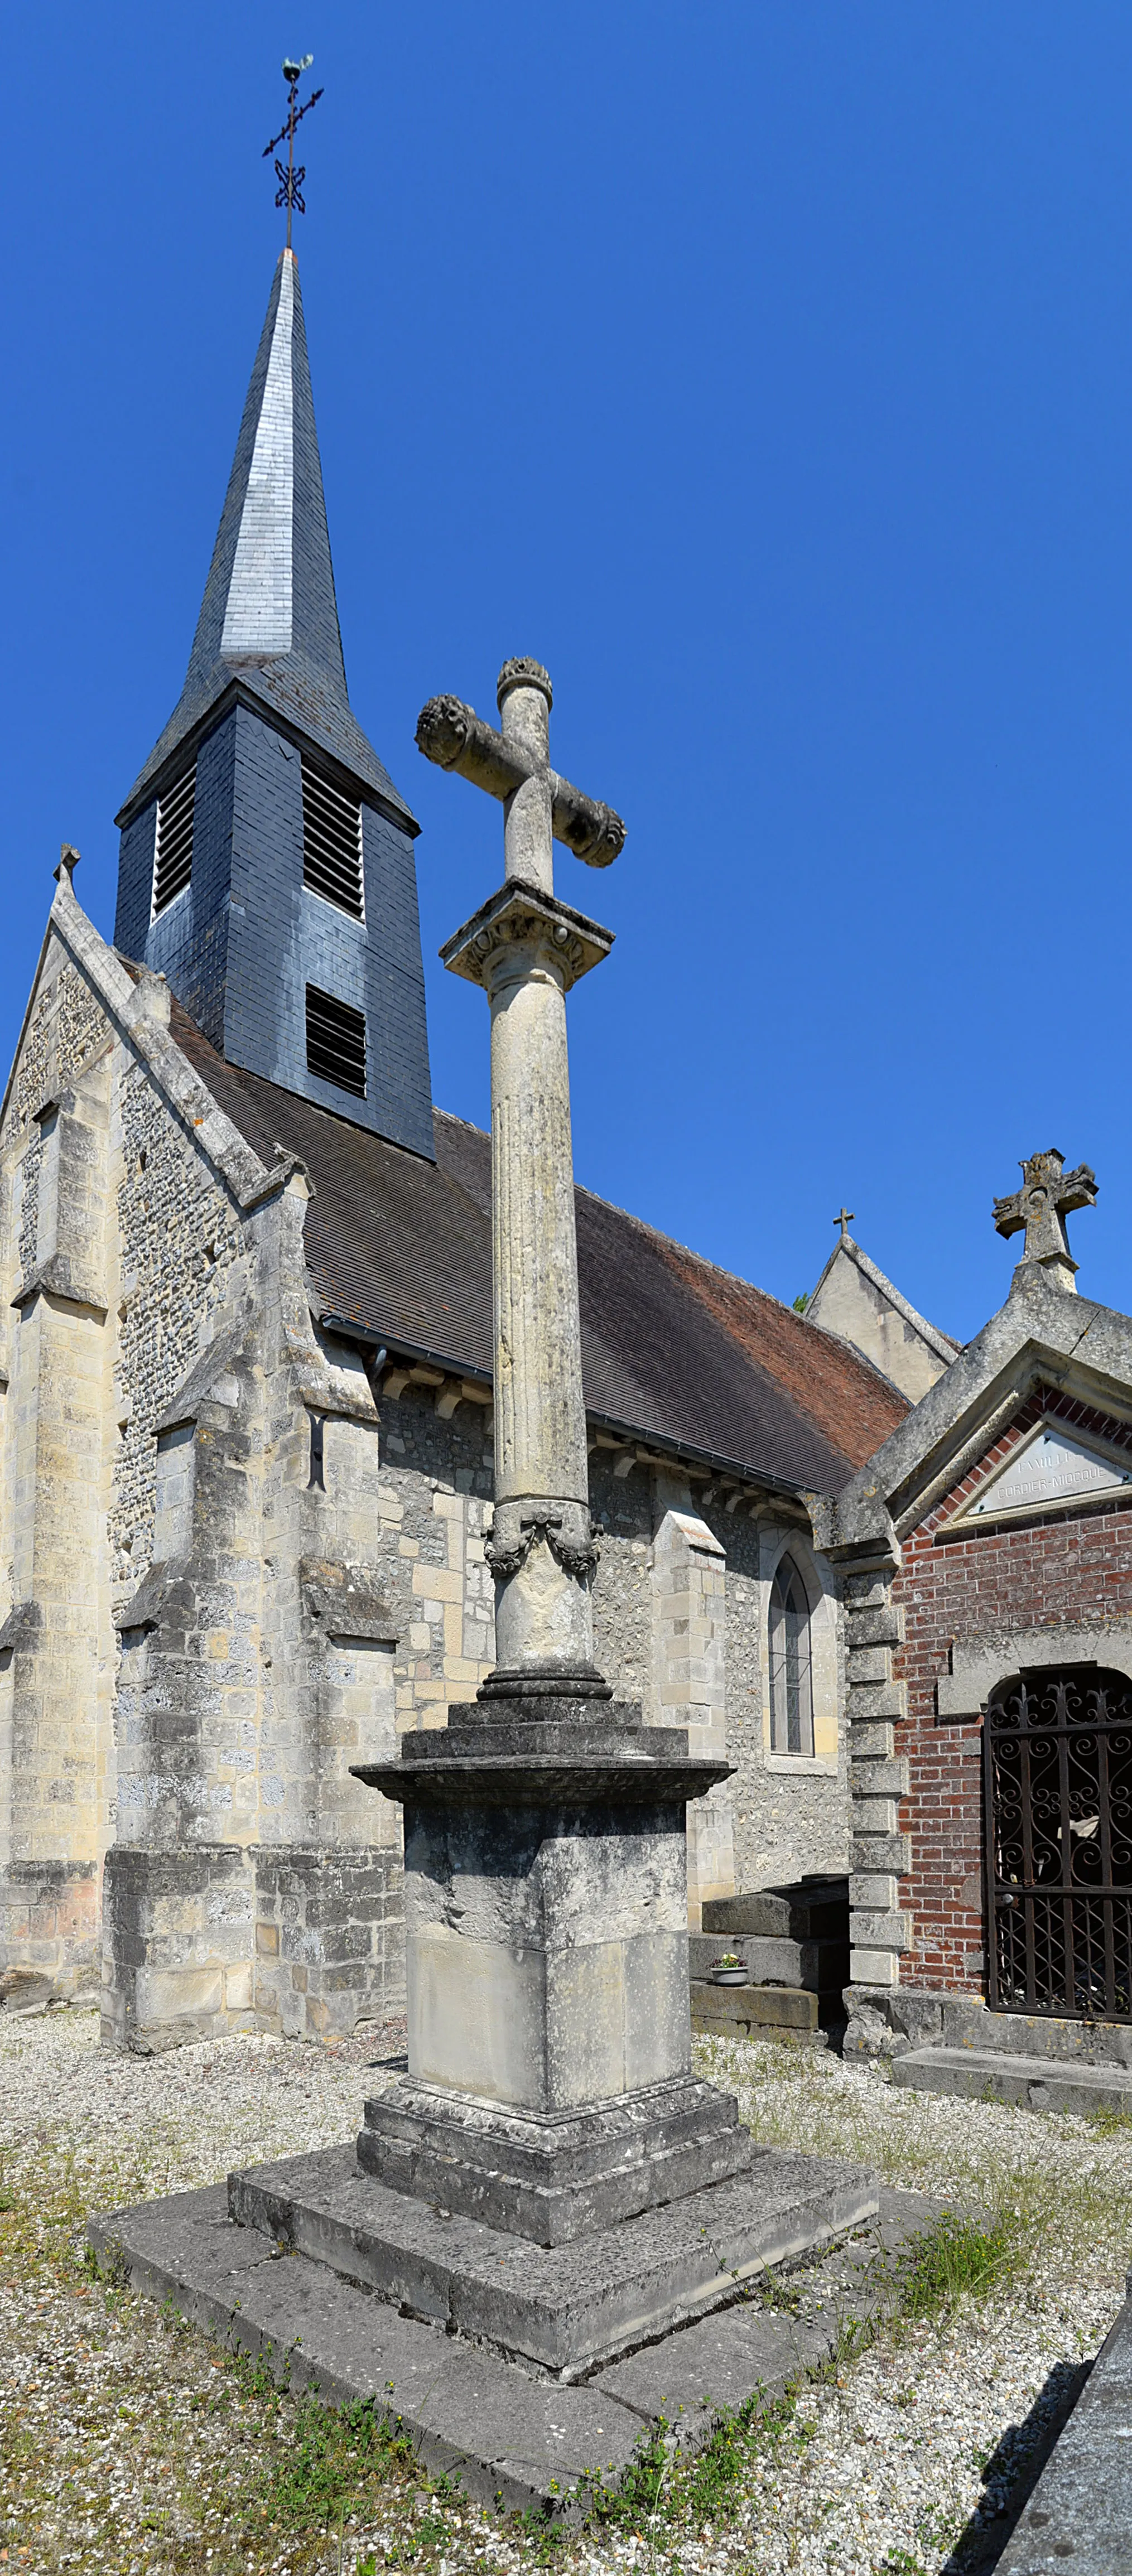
{"x":672,"y":1348}
{"x":268,"y":625}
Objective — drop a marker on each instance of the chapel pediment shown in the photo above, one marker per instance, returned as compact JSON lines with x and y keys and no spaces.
{"x":1050,"y":1470}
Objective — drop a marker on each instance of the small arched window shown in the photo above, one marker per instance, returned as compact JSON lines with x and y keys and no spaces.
{"x":791,"y":1677}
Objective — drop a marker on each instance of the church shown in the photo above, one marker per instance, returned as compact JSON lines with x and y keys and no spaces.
{"x":247,"y":1420}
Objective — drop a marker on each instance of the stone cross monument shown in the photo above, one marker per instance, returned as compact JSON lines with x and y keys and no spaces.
{"x":550,"y":2093}
{"x":526,"y":949}
{"x":550,"y":2180}
{"x":1048,"y":1195}
{"x":549,"y":2084}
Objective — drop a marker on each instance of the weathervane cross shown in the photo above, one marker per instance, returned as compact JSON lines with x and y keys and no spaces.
{"x":1048,"y":1195}
{"x":289,"y":192}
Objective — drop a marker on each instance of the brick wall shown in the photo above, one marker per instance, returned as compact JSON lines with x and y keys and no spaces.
{"x":1063,"y":1570}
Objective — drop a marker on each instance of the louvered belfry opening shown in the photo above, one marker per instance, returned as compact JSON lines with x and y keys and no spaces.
{"x":332,"y":843}
{"x":173,"y":847}
{"x":336,"y":1041}
{"x":1057,"y":1753}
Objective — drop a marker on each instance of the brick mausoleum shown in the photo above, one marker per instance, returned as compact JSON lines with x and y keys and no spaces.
{"x":985,"y":1558}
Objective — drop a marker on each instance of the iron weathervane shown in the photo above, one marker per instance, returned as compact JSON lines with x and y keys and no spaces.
{"x":290,"y":179}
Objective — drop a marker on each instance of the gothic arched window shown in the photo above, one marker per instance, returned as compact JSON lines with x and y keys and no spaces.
{"x":791,"y":1680}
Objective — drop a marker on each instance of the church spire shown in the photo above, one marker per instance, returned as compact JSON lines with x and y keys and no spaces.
{"x":266,"y":863}
{"x":268,"y":625}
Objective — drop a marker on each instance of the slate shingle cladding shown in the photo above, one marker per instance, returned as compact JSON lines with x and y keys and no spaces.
{"x":306,"y":686}
{"x":244,"y":940}
{"x":671,"y":1347}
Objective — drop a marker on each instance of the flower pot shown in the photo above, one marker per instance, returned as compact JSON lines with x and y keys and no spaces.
{"x":729,"y":1976}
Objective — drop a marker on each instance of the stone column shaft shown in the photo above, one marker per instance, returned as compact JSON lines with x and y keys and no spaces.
{"x":543,"y":1613}
{"x":528,"y":840}
{"x":525,"y":948}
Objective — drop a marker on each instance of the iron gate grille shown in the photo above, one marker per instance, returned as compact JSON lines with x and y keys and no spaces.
{"x":1057,"y":1771}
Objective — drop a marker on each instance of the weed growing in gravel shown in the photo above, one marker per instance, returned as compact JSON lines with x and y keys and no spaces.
{"x":1110,"y":2123}
{"x":696,"y":2489}
{"x":954,"y":2256}
{"x":1063,"y":2189}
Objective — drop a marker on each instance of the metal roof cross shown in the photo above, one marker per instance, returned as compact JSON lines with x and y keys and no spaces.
{"x":290,"y":179}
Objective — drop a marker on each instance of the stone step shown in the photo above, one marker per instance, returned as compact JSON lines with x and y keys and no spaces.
{"x":559,"y":2308}
{"x":806,"y":1909}
{"x":754,"y":2012}
{"x":821,"y":1965}
{"x":508,"y":2436}
{"x":1031,"y":2083}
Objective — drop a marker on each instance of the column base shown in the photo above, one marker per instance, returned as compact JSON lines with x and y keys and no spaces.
{"x":553,"y":2176}
{"x":552,"y":1681}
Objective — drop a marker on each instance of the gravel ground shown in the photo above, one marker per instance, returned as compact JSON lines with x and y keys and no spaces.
{"x":127,"y":2442}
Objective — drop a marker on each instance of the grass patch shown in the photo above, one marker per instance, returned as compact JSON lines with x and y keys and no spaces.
{"x":956,"y":2258}
{"x":1060,"y":2186}
{"x":336,"y":2461}
{"x":666,"y":2481}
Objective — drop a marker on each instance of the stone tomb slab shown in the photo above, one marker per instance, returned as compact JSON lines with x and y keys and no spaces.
{"x":1080,"y":2513}
{"x":565,"y":2307}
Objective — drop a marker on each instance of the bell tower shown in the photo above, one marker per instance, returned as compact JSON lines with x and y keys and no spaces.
{"x":266,"y":862}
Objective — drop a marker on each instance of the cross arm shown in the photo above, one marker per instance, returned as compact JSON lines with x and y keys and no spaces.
{"x":1008,"y":1216}
{"x":1077,"y":1190}
{"x":457,"y":738}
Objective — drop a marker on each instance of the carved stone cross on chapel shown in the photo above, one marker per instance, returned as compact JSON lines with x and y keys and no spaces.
{"x":526,"y":948}
{"x":1048,"y":1195}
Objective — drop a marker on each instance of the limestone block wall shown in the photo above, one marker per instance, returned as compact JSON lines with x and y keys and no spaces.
{"x":56,"y":1441}
{"x":232,"y":1567}
{"x":792,"y":1810}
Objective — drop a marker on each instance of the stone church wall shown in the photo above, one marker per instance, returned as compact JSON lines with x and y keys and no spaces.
{"x":178,"y":1236}
{"x":232,"y":1568}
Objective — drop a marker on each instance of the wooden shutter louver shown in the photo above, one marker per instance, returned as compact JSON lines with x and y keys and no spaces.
{"x":173,"y":846}
{"x":336,"y":1041}
{"x":332,"y":843}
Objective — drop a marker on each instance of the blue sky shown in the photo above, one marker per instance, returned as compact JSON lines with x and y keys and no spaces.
{"x":767,"y":371}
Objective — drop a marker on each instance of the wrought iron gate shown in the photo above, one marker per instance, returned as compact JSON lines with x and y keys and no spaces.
{"x":1057,"y":1772}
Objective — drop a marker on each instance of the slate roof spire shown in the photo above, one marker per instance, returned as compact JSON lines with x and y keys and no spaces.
{"x":268,"y":625}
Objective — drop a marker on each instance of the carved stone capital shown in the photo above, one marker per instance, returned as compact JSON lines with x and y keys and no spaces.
{"x":520,"y":919}
{"x":521,"y":673}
